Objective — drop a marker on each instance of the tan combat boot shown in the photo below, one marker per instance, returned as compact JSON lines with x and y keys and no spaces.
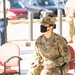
{"x":71,"y":41}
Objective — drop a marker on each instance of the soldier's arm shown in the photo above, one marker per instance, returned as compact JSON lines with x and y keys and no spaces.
{"x":66,"y":10}
{"x":64,"y":54}
{"x":38,"y":57}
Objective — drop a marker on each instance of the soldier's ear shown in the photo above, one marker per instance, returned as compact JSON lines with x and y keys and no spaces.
{"x":51,"y":27}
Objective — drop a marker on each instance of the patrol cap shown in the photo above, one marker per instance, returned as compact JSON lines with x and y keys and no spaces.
{"x":49,"y":20}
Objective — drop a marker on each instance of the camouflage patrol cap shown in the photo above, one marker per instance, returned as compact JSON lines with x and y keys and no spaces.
{"x":48,"y":20}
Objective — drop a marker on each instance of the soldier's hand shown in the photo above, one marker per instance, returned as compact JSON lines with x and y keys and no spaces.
{"x":48,"y":66}
{"x":34,"y":65}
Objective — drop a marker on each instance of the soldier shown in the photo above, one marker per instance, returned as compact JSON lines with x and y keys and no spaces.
{"x":70,"y":14}
{"x":51,"y":51}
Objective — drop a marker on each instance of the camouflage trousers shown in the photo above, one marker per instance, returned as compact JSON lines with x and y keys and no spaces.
{"x":70,"y":22}
{"x":52,"y":71}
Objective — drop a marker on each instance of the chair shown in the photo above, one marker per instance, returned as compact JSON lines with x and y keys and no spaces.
{"x":71,"y":62}
{"x":10,"y":57}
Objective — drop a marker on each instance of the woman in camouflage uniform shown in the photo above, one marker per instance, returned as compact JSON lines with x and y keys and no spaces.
{"x":51,"y":51}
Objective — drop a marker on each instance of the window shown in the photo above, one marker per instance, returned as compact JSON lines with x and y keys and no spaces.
{"x":46,"y":2}
{"x":25,"y":1}
{"x":32,"y":2}
{"x":16,"y":5}
{"x":61,"y":2}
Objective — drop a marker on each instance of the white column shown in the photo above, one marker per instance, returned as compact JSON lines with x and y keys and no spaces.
{"x":30,"y":26}
{"x":59,"y":19}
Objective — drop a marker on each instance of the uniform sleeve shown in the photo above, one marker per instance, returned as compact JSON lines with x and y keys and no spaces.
{"x":64,"y":54}
{"x":37,"y":54}
{"x":66,"y":9}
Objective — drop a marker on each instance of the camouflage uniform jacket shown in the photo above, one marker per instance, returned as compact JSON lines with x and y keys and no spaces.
{"x":70,"y":8}
{"x":54,"y":49}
